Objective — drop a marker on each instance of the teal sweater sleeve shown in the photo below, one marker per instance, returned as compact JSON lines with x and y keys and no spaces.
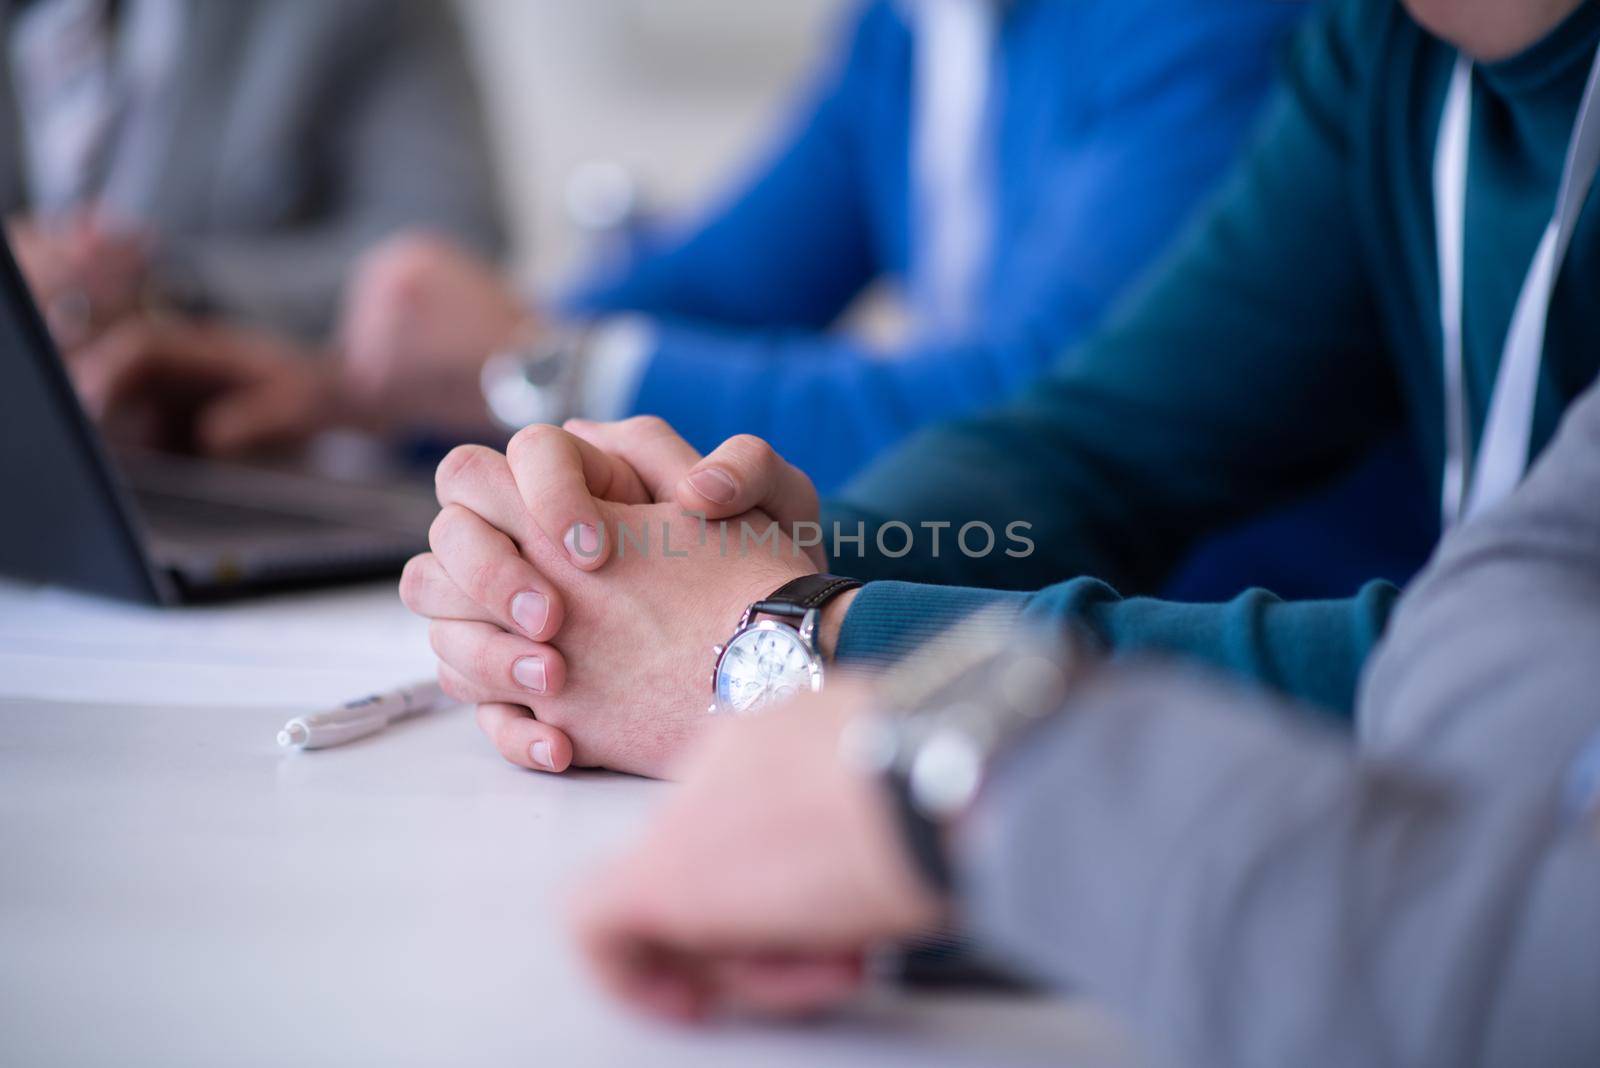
{"x":1313,"y":649}
{"x":1252,"y":365}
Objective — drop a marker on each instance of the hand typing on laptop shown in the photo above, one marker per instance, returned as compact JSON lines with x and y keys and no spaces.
{"x":576,"y":601}
{"x":180,"y":382}
{"x":189,"y":385}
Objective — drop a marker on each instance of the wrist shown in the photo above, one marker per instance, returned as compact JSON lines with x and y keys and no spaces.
{"x":890,"y":882}
{"x":775,"y":652}
{"x":831,"y":622}
{"x":915,"y":900}
{"x":346,"y":404}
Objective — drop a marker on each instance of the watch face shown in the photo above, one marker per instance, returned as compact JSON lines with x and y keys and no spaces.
{"x":519,"y":389}
{"x":764,"y":664}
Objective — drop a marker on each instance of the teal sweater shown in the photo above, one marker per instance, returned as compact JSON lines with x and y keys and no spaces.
{"x":1291,"y":329}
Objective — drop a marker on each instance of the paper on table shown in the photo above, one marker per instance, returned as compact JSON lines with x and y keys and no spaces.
{"x":287,"y":651}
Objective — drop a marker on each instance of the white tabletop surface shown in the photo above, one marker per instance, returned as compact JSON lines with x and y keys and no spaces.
{"x":175,"y":890}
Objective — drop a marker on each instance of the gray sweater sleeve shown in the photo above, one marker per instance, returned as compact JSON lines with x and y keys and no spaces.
{"x":1496,"y":646}
{"x":1249,"y":889}
{"x":1246,"y":889}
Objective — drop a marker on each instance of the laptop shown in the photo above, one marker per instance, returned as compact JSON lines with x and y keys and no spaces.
{"x":167,"y":529}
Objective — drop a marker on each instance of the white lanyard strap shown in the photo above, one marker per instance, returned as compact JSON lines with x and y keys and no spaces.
{"x":955,"y":42}
{"x":1503,"y":449}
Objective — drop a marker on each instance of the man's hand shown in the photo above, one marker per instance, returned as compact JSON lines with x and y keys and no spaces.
{"x":421,"y":316}
{"x":85,"y":273}
{"x":193,"y":386}
{"x":741,"y":474}
{"x":764,"y":883}
{"x":613,"y":661}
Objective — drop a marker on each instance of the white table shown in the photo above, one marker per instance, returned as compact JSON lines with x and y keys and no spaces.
{"x":175,"y":890}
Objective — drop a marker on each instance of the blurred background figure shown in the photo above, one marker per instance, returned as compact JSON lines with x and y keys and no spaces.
{"x":231,"y":160}
{"x":963,"y":190}
{"x":999,"y":171}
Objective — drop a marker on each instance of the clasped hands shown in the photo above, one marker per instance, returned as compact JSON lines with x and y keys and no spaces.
{"x":776,"y":868}
{"x":575,"y":592}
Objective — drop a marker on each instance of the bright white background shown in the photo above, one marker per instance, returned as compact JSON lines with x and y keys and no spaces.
{"x":681,"y":92}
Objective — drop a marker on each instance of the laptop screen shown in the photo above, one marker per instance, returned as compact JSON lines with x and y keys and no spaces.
{"x":64,"y":520}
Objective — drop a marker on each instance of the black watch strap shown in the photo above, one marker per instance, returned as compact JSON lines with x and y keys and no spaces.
{"x":922,"y":837}
{"x":801,"y":595}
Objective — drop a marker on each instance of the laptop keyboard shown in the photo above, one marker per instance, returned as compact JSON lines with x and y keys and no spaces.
{"x":186,"y":518}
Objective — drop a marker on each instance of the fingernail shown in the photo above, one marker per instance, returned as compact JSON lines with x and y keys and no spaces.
{"x":530,"y":610}
{"x":529,"y":673}
{"x":713,"y":485}
{"x":583,"y":543}
{"x":540,"y":753}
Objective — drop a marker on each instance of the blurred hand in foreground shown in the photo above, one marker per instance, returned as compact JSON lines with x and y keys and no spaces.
{"x":765,"y":882}
{"x":192,"y":386}
{"x":421,"y":317}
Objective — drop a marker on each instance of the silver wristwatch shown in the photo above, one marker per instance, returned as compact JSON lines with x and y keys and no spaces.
{"x":944,"y":714}
{"x":774,"y":658}
{"x":536,"y":379}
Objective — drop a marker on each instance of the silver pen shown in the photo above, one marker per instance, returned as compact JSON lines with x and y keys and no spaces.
{"x":361,"y":717}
